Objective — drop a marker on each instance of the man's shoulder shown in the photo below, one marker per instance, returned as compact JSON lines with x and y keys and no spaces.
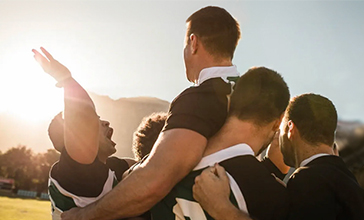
{"x":309,"y":171}
{"x":249,"y":162}
{"x":118,"y":165}
{"x":202,"y":109}
{"x":250,"y":172}
{"x":323,"y":166}
{"x":211,"y":87}
{"x":311,"y":177}
{"x":83,"y":179}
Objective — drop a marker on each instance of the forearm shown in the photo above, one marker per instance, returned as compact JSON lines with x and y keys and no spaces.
{"x":81,"y":123}
{"x":76,"y":98}
{"x":132,"y":197}
{"x":228,"y":211}
{"x":171,"y":159}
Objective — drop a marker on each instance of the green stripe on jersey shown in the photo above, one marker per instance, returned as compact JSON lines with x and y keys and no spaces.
{"x":169,"y":208}
{"x":62,"y":202}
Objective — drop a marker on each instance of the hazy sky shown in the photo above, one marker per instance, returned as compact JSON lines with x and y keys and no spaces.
{"x":134,"y":48}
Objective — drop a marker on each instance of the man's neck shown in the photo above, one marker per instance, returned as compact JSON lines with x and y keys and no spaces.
{"x":308,"y":150}
{"x":208,"y":63}
{"x":236,"y":132}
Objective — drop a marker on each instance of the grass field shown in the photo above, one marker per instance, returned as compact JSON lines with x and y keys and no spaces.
{"x":24,"y":209}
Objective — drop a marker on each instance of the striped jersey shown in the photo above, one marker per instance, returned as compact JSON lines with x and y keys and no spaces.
{"x":72,"y":184}
{"x":253,"y":188}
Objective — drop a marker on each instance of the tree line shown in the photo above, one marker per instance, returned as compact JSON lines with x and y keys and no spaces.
{"x":28,"y":169}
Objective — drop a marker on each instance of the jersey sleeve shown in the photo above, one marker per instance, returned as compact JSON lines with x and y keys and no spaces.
{"x":202,"y":109}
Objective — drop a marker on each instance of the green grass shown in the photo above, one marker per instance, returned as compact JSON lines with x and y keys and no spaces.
{"x":24,"y":209}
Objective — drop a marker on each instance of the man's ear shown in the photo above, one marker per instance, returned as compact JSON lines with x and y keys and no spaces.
{"x":277,"y":123}
{"x":291,"y":129}
{"x":194,"y":43}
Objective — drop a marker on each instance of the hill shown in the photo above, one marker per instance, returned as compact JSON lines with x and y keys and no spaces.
{"x":124,"y":116}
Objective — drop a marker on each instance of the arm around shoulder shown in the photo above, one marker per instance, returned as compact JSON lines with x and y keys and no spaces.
{"x":175,"y":154}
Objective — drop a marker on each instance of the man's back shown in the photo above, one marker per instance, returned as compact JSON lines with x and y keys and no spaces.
{"x":253,"y":188}
{"x":325,"y":189}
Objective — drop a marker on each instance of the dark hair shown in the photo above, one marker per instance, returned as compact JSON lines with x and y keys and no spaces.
{"x":147,"y":133}
{"x":260,"y":95}
{"x":315,"y":117}
{"x":218,"y":31}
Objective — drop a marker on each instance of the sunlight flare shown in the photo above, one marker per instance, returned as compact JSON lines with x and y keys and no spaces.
{"x":25,"y":90}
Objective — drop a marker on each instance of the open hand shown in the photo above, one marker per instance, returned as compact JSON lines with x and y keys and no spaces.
{"x":51,"y":66}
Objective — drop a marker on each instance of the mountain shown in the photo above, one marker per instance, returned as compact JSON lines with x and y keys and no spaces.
{"x":124,"y":116}
{"x":350,"y":140}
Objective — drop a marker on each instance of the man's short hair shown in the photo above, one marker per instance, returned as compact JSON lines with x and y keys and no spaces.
{"x":147,"y":134}
{"x":314,"y":116}
{"x":260,"y":95}
{"x":218,"y":31}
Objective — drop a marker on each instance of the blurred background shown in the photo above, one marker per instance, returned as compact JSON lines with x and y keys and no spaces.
{"x":128,"y":55}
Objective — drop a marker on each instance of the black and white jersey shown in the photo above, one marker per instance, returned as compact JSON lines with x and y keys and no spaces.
{"x":72,"y":184}
{"x":203,"y":108}
{"x":325,"y":189}
{"x":253,"y":188}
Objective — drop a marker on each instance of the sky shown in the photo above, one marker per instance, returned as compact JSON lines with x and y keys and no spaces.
{"x":134,"y":48}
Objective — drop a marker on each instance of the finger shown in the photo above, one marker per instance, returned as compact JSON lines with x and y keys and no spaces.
{"x":213,"y":170}
{"x":208,"y":172}
{"x":197,"y":179}
{"x":195,"y":192}
{"x":221,"y":173}
{"x":48,"y":55}
{"x":39,"y":57}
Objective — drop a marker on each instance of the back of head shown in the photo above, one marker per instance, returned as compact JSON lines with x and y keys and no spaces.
{"x":315,"y":117}
{"x":260,"y":95}
{"x":147,"y":133}
{"x":56,"y":132}
{"x":218,"y":31}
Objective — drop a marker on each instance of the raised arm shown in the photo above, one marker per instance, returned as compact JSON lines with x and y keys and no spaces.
{"x":81,"y":134}
{"x":174,"y":155}
{"x":212,"y":191}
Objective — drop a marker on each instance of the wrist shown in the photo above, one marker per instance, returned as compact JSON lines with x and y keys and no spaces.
{"x":220,"y":212}
{"x":64,"y":81}
{"x":227,"y":211}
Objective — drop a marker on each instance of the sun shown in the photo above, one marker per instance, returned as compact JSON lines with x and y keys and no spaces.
{"x":25,"y":90}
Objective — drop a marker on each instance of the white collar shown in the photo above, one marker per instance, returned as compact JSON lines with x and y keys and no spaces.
{"x":217,"y":71}
{"x":224,"y":154}
{"x":306,"y":161}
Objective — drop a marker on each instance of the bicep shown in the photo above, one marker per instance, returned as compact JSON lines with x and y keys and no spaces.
{"x":82,"y":141}
{"x":175,"y":154}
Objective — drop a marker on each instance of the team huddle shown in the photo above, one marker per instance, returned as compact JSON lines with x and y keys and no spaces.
{"x":199,"y":160}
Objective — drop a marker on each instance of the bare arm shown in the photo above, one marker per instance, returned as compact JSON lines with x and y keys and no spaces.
{"x":174,"y":155}
{"x":212,"y":191}
{"x":81,"y":121}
